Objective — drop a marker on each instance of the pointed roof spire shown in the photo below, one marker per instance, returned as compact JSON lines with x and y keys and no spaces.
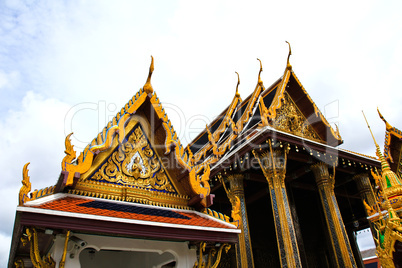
{"x":259,"y":74}
{"x":148,"y":87}
{"x":288,"y":66}
{"x":387,"y":125}
{"x":389,"y":178}
{"x":384,"y":163}
{"x":237,"y":86}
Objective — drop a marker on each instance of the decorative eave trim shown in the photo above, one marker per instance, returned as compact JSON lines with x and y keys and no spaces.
{"x":279,"y":95}
{"x":247,"y":140}
{"x":277,"y":101}
{"x":134,"y":194}
{"x":251,"y":103}
{"x":214,"y":137}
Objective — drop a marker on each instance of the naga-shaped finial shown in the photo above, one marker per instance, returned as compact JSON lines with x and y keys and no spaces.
{"x":69,"y":151}
{"x":288,"y":66}
{"x":387,"y":125}
{"x":259,"y":73}
{"x":148,"y":87}
{"x":26,"y":186}
{"x":237,"y":86}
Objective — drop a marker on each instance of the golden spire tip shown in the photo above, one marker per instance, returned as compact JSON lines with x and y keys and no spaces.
{"x":259,"y":74}
{"x":369,"y":128}
{"x":237,"y":86}
{"x":387,"y":125}
{"x":148,"y":87}
{"x":290,"y":53}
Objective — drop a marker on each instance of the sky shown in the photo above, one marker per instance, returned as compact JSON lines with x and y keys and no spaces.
{"x":69,"y":66}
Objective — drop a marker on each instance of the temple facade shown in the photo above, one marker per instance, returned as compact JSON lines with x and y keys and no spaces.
{"x":264,"y":185}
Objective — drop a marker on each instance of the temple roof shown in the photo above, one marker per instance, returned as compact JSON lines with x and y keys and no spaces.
{"x":285,"y":106}
{"x":393,"y":146}
{"x":72,"y":206}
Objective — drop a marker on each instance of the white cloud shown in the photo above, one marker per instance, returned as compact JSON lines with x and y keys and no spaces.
{"x":8,"y":80}
{"x":35,"y":134}
{"x":5,"y":242}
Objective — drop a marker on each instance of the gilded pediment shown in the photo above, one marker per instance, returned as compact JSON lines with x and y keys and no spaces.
{"x":134,"y":163}
{"x":290,"y":119}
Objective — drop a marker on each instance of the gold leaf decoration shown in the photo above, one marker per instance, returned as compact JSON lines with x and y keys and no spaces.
{"x":291,"y":120}
{"x":134,"y":163}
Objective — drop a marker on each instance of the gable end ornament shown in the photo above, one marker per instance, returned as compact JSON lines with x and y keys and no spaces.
{"x":288,"y":66}
{"x":73,"y":167}
{"x":148,"y":87}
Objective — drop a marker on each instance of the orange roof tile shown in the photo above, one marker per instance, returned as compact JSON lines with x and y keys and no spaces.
{"x":123,"y":210}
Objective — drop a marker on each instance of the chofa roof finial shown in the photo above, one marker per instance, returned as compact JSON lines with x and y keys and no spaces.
{"x":259,"y":74}
{"x":148,"y":87}
{"x":237,"y":86}
{"x":288,"y":66}
{"x":387,"y":125}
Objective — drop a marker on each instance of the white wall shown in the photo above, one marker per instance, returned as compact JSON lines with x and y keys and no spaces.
{"x":105,"y":251}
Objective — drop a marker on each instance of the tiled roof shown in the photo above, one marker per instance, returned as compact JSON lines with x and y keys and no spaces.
{"x":129,"y":211}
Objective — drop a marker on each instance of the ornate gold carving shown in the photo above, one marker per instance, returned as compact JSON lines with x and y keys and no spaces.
{"x":288,"y":66}
{"x":219,"y":149}
{"x":217,"y":215}
{"x":63,"y":257}
{"x":19,"y":263}
{"x":130,"y":194}
{"x":200,"y":263}
{"x":239,"y":214}
{"x":184,"y":158}
{"x":199,"y":183}
{"x":340,"y":242}
{"x":218,"y":258}
{"x":136,"y":164}
{"x":259,"y":74}
{"x":273,"y":165}
{"x":227,"y":121}
{"x":277,"y":101}
{"x":235,"y":201}
{"x":254,"y":97}
{"x":84,"y":161}
{"x":26,"y":186}
{"x":31,"y":236}
{"x":291,"y":120}
{"x":148,"y":87}
{"x":237,"y":86}
{"x":366,"y":191}
{"x":322,"y":175}
{"x":387,"y":228}
{"x":391,"y":131}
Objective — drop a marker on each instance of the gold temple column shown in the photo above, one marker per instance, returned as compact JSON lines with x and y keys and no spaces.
{"x":339,"y":239}
{"x":365,"y":190}
{"x":244,"y":253}
{"x":273,"y":165}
